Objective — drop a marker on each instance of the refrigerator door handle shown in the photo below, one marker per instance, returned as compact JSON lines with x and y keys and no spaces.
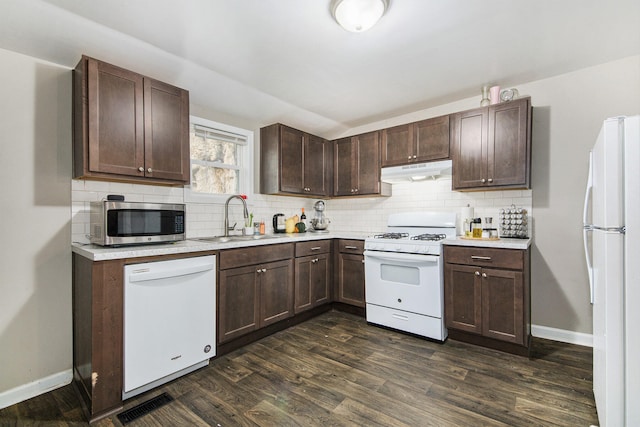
{"x":587,"y":193}
{"x":586,"y":227}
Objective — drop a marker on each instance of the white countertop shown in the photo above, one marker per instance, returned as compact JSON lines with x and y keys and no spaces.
{"x":502,"y":243}
{"x":100,"y":253}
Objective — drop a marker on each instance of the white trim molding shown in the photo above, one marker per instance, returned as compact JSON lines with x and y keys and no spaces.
{"x":570,"y":337}
{"x":35,"y":388}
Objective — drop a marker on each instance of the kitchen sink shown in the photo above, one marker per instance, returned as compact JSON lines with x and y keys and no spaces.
{"x":237,"y":238}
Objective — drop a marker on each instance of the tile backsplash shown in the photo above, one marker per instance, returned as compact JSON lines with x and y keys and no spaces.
{"x":368,"y":215}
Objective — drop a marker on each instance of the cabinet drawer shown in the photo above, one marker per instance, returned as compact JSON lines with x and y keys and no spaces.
{"x":348,"y":246}
{"x":312,"y":248}
{"x":230,"y":258}
{"x":485,"y":257}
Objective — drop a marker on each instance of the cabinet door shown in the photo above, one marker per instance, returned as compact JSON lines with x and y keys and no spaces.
{"x":508,"y":147}
{"x":238,"y":302}
{"x":397,"y":145}
{"x":351,"y":284}
{"x":317,"y":154}
{"x":463,"y":298}
{"x":312,"y":282}
{"x":166,"y":118}
{"x":276,"y":291}
{"x":291,"y":160}
{"x":116,"y":116}
{"x":503,"y":305}
{"x":431,"y":139}
{"x":469,"y":142}
{"x":367,"y":160}
{"x":343,"y":184}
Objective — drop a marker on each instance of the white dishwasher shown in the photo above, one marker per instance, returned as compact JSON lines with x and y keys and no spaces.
{"x":169,"y":320}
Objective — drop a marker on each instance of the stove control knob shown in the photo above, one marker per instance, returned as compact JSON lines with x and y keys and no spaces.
{"x":399,"y":300}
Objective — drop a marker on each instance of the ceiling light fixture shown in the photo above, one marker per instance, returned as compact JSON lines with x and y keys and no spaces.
{"x":358,"y":15}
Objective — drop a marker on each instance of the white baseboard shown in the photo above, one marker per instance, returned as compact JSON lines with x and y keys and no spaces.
{"x":35,"y":388}
{"x":562,"y":335}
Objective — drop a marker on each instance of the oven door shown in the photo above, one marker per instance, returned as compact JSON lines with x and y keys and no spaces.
{"x":407,"y":282}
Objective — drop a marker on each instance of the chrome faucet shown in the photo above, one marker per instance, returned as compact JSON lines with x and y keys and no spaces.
{"x":226,"y":213}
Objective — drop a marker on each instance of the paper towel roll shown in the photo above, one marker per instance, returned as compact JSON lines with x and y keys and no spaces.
{"x":466,"y":213}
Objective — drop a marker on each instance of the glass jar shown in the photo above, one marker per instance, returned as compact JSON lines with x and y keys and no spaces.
{"x":476,"y":229}
{"x":485,"y":96}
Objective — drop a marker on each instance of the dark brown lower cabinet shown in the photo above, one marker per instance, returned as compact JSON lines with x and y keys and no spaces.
{"x":98,"y":334}
{"x":251,"y":295}
{"x":350,"y":272}
{"x":487,"y":296}
{"x":313,"y":274}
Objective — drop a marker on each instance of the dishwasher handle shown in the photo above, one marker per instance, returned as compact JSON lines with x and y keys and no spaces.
{"x":147,"y":274}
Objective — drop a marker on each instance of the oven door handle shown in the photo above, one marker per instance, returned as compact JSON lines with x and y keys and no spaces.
{"x":403,"y":257}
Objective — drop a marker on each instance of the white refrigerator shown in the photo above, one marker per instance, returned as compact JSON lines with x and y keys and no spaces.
{"x":612,"y":248}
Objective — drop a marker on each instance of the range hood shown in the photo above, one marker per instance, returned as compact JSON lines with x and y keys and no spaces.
{"x":416,"y":172}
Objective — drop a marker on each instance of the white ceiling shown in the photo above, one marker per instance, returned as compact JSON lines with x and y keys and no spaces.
{"x":264,"y":61}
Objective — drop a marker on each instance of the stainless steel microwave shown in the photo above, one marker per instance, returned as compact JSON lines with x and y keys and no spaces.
{"x":115,"y":223}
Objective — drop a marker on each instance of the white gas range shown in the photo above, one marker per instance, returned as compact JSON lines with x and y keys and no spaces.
{"x":404,"y":273}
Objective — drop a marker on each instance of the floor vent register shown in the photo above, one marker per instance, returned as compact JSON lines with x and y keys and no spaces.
{"x":144,"y":408}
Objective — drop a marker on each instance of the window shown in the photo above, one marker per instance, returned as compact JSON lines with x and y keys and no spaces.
{"x":221,"y":161}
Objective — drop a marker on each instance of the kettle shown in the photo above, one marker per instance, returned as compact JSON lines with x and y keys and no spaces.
{"x":279,"y":223}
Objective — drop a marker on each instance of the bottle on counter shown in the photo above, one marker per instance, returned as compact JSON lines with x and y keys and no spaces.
{"x":303,"y":219}
{"x":262,"y":226}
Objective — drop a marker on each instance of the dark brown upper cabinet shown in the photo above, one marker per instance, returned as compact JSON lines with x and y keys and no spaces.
{"x":416,"y":142}
{"x":491,"y":147}
{"x":293,"y":162}
{"x":357,"y":166}
{"x":128,"y":127}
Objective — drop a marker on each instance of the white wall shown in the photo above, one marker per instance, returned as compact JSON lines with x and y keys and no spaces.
{"x":569,"y":115}
{"x":35,"y":224}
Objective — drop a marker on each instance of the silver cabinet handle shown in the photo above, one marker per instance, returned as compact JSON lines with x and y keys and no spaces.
{"x":149,"y":170}
{"x":264,"y":270}
{"x":258,"y":271}
{"x":415,"y":157}
{"x":350,"y":247}
{"x":484,"y":274}
{"x":483,"y":180}
{"x":316,"y":248}
{"x":482,"y":258}
{"x":477,"y":273}
{"x":409,"y":158}
{"x":490,"y":180}
{"x":141,"y":169}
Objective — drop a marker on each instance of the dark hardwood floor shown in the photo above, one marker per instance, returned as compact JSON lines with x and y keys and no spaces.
{"x":335,"y":370}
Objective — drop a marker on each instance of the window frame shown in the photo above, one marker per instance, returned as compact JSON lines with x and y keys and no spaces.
{"x":246,"y":171}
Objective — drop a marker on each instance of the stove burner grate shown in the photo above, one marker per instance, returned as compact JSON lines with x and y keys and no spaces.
{"x":429,"y":237}
{"x":391,"y":236}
